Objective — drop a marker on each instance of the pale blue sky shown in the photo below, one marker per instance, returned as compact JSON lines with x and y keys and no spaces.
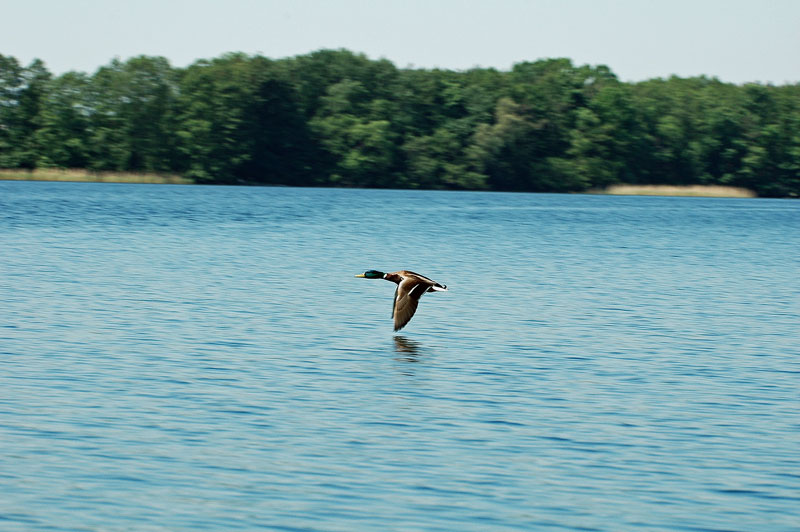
{"x":735,"y":40}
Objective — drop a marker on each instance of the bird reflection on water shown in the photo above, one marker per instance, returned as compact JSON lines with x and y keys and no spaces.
{"x":407,"y":350}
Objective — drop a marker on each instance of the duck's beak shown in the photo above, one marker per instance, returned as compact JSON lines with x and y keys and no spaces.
{"x":360,"y":275}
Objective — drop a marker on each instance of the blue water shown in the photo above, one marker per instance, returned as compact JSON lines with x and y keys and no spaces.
{"x":203,"y":358}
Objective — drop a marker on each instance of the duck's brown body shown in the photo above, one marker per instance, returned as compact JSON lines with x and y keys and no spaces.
{"x":410,"y":287}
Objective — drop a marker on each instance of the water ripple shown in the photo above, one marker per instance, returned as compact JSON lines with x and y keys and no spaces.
{"x":192,"y":358}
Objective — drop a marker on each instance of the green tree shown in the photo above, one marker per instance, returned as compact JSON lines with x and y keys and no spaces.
{"x":603,"y":142}
{"x":10,"y":131}
{"x":281,"y":149}
{"x":64,"y":136}
{"x":132,"y":116}
{"x":440,"y":160}
{"x":22,"y":92}
{"x":511,"y":152}
{"x":212,"y":114}
{"x":312,"y":75}
{"x":362,"y":150}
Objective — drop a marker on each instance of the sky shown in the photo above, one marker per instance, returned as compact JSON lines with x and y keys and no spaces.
{"x":736,"y":41}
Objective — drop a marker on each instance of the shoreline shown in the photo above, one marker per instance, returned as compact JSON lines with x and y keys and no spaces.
{"x":696,"y":191}
{"x":86,"y":176}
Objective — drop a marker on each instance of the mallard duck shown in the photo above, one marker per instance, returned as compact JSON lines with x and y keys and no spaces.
{"x":410,"y":287}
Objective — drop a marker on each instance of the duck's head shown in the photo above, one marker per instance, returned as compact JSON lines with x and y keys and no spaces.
{"x":371,"y":274}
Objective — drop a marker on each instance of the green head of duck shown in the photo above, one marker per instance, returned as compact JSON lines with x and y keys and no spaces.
{"x":371,"y":274}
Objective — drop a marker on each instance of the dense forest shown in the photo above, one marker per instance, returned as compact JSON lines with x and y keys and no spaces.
{"x":337,"y":118}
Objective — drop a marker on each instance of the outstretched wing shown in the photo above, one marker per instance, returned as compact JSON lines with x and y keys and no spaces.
{"x":406,"y":299}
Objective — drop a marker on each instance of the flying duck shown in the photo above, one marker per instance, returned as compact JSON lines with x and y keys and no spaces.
{"x":410,"y":287}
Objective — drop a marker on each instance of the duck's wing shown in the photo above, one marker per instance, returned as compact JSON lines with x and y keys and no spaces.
{"x":406,"y":299}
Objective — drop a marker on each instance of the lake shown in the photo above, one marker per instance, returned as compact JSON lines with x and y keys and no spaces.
{"x":180,"y":358}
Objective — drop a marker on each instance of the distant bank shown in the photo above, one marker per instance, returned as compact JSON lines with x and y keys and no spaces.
{"x":705,"y":191}
{"x":77,"y":175}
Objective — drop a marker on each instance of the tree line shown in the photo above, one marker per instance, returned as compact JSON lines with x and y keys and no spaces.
{"x":338,"y":118}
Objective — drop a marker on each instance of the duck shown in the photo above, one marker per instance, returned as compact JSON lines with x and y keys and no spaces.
{"x":410,"y":287}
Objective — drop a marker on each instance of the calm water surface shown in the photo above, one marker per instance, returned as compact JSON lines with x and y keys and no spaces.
{"x":202,"y":358}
